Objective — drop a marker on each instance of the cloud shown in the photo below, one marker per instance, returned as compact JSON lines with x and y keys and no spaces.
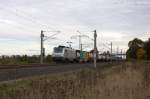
{"x":115,"y":20}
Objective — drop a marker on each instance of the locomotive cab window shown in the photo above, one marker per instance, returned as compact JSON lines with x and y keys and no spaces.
{"x":58,"y":50}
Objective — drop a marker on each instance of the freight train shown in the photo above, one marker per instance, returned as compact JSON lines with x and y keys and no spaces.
{"x":67,"y":54}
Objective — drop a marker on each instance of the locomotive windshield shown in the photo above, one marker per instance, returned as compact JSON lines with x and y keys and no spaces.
{"x":58,"y":50}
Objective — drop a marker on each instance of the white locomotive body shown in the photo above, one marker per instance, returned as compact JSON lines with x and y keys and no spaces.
{"x":62,"y":53}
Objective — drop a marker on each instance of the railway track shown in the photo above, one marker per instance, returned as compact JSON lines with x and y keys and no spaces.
{"x":13,"y":72}
{"x":14,"y":66}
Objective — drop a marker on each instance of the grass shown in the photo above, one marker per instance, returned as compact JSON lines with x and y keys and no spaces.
{"x":126,"y":81}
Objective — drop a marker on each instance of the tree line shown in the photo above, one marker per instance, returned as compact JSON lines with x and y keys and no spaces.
{"x":23,"y":59}
{"x":139,"y":49}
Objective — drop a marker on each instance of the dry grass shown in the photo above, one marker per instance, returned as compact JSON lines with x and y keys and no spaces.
{"x":126,"y":81}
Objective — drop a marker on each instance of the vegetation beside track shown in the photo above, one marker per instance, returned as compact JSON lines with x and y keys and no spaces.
{"x":24,"y":59}
{"x":124,"y":81}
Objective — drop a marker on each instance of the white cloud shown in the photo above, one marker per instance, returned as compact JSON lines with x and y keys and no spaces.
{"x":115,"y":20}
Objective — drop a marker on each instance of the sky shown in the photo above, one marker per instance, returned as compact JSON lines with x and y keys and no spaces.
{"x":116,"y":21}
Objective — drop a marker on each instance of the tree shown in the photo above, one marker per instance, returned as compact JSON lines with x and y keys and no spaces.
{"x":134,"y":45}
{"x":141,"y":54}
{"x":48,"y":59}
{"x":147,"y":48}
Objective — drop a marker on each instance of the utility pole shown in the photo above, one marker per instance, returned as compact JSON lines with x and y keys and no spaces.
{"x":81,"y":47}
{"x":117,"y":50}
{"x":121,"y":54}
{"x":95,"y":49}
{"x":111,"y":52}
{"x":42,"y":48}
{"x":80,"y":42}
{"x":42,"y":43}
{"x":117,"y":53}
{"x":111,"y":48}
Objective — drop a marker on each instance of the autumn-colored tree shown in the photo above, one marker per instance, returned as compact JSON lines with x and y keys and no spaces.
{"x":141,"y":54}
{"x":139,"y":49}
{"x":134,"y":45}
